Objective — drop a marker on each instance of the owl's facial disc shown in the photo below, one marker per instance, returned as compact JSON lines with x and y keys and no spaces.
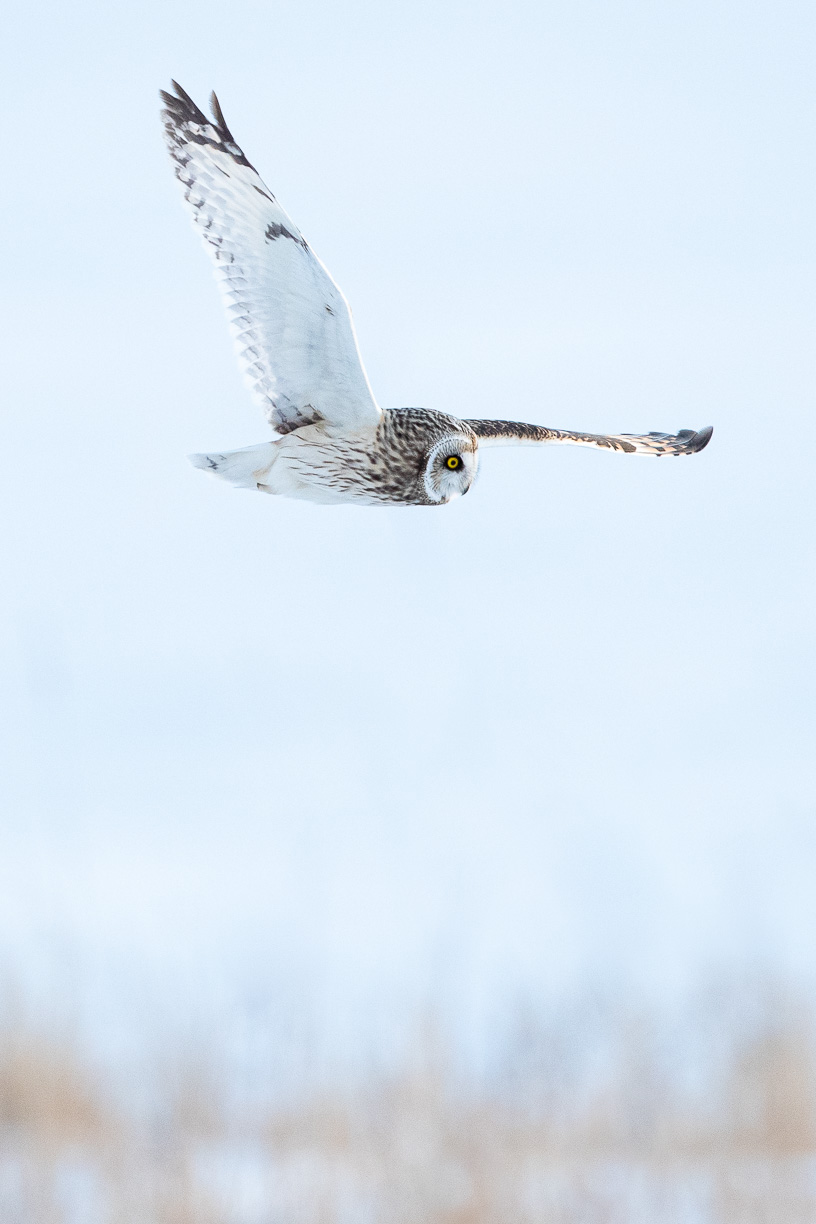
{"x":450,"y":468}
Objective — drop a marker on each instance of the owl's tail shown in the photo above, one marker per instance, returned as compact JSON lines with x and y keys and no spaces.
{"x":247,"y":468}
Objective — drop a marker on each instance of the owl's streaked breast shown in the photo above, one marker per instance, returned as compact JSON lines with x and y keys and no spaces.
{"x":384,"y":467}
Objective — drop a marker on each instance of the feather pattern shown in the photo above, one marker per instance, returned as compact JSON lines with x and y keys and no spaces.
{"x":292,"y":325}
{"x":516,"y":433}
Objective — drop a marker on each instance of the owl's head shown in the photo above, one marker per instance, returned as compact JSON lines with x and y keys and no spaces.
{"x":450,"y":467}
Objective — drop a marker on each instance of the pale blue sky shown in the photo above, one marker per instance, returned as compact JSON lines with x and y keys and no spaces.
{"x":559,"y":731}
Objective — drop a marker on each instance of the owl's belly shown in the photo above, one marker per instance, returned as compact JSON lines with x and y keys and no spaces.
{"x":328,"y":471}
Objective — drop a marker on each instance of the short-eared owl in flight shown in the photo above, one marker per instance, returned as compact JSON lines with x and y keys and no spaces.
{"x":296,"y":343}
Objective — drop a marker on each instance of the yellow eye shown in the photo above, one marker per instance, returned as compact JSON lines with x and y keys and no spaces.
{"x":453,"y":462}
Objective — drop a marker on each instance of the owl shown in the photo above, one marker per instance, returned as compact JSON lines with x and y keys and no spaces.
{"x":295,"y":340}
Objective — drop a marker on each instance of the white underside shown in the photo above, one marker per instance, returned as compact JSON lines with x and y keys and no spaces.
{"x":287,"y":467}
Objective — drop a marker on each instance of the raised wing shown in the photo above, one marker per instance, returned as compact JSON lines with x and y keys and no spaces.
{"x":516,"y":433}
{"x":292,"y":325}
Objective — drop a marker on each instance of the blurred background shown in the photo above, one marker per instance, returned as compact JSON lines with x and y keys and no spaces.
{"x":402,"y":866}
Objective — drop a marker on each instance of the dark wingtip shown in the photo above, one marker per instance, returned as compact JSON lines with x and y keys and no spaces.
{"x":701,"y":439}
{"x":218,"y":114}
{"x":181,"y":111}
{"x":180,"y":105}
{"x":182,"y":93}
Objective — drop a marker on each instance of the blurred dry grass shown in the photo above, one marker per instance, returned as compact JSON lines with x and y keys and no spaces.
{"x":554,"y":1133}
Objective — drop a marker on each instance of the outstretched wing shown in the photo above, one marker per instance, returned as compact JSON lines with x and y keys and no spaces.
{"x":292,"y":325}
{"x":516,"y":433}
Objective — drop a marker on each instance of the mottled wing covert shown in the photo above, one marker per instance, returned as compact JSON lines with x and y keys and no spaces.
{"x":516,"y":433}
{"x":292,"y":326}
